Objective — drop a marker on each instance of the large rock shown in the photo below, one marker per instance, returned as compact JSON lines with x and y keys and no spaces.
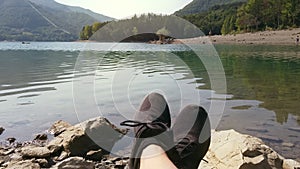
{"x":232,"y":150}
{"x":35,"y":152}
{"x":290,"y":164}
{"x":102,"y":132}
{"x":93,"y":134}
{"x":27,"y":164}
{"x":58,"y":127}
{"x":74,"y":163}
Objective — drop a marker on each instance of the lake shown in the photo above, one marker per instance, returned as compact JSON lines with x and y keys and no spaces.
{"x":43,"y":82}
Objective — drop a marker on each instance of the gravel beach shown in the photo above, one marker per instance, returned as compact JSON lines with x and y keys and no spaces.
{"x":280,"y":37}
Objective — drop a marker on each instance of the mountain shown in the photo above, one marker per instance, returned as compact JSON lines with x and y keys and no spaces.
{"x":54,"y":5}
{"x":43,"y":20}
{"x":198,"y":6}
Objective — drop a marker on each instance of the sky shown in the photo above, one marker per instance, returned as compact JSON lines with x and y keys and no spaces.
{"x":126,"y":8}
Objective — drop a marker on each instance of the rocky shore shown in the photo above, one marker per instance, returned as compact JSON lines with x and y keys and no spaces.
{"x":77,"y":147}
{"x":280,"y":37}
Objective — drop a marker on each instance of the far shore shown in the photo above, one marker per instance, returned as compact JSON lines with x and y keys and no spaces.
{"x":280,"y":37}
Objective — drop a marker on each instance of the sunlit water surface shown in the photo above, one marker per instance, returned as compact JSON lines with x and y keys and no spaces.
{"x":44,"y":82}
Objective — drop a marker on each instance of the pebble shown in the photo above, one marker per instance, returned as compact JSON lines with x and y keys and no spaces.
{"x":41,"y":137}
{"x":8,"y":152}
{"x":35,"y":152}
{"x":94,"y":155}
{"x":43,"y":163}
{"x":23,"y":164}
{"x":1,"y":162}
{"x":75,"y":163}
{"x":11,"y":140}
{"x":62,"y":156}
{"x":1,"y":130}
{"x":16,"y":157}
{"x":121,"y":163}
{"x":58,"y":127}
{"x":285,"y":144}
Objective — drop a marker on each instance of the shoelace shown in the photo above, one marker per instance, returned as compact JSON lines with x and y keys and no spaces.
{"x":133,"y":123}
{"x":186,"y":145}
{"x":183,"y":144}
{"x":155,"y":126}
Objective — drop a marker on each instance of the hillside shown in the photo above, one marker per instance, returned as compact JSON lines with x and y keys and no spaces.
{"x":43,"y":20}
{"x":234,"y":17}
{"x":198,"y":6}
{"x":212,"y":21}
{"x":54,"y":5}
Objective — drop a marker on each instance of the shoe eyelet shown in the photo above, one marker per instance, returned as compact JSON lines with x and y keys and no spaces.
{"x":189,"y":147}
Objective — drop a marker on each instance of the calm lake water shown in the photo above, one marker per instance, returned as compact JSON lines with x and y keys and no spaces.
{"x":44,"y":82}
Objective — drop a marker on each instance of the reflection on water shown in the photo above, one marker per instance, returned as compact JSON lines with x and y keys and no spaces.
{"x":120,"y":80}
{"x":35,"y":90}
{"x":23,"y":69}
{"x":268,"y":73}
{"x":36,"y":87}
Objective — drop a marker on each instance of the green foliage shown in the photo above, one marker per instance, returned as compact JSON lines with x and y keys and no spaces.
{"x":214,"y":20}
{"x":163,"y":31}
{"x":38,"y":34}
{"x":143,"y":28}
{"x":265,"y":14}
{"x":200,"y":6}
{"x":228,"y":26}
{"x":96,"y":26}
{"x":135,"y":31}
{"x":88,"y":30}
{"x":255,"y":15}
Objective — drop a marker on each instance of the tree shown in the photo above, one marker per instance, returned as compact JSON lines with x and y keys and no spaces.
{"x":232,"y":23}
{"x":96,"y":26}
{"x":82,"y":35}
{"x":275,"y":14}
{"x":135,"y":31}
{"x":87,"y":32}
{"x":162,"y":33}
{"x":226,"y":26}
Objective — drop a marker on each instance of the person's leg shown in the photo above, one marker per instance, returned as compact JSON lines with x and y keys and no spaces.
{"x":154,"y":156}
{"x":152,"y":126}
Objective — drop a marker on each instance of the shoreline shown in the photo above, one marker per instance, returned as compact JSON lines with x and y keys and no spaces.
{"x":72,"y":145}
{"x":278,"y":37}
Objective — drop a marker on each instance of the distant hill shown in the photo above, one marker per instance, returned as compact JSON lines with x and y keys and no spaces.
{"x":198,"y":6}
{"x":43,"y":20}
{"x":54,"y":5}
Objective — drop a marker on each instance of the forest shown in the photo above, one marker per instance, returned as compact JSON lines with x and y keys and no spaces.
{"x":143,"y":28}
{"x":255,"y":15}
{"x":239,"y":17}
